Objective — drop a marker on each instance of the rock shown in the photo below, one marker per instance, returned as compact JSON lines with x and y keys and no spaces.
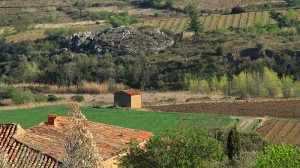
{"x":78,"y":40}
{"x":121,"y":41}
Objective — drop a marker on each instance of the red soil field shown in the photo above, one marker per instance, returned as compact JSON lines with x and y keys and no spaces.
{"x":272,"y":108}
{"x":281,"y":131}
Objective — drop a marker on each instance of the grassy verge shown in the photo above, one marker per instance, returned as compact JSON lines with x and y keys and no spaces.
{"x":149,"y":121}
{"x":252,"y":126}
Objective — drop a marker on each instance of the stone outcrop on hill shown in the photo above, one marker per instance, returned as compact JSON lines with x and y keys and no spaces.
{"x":121,"y":41}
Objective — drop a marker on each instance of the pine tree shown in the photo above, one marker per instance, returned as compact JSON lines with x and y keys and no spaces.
{"x":195,"y":24}
{"x":233,"y":143}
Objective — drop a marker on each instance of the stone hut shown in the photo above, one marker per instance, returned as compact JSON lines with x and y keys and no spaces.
{"x":187,"y":34}
{"x":128,"y":98}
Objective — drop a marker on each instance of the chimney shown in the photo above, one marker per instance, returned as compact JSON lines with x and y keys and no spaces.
{"x":51,"y":119}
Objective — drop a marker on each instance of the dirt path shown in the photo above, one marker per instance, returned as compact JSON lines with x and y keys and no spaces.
{"x":247,"y":121}
{"x":58,"y":25}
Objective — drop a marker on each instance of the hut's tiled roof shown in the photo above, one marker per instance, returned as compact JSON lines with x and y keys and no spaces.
{"x":131,"y":92}
{"x":43,"y":145}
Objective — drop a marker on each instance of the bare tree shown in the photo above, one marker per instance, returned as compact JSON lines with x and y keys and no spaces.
{"x":80,"y":149}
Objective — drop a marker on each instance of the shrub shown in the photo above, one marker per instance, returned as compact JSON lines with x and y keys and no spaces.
{"x":100,"y":15}
{"x":220,"y":50}
{"x":237,"y":10}
{"x":120,"y":20}
{"x":77,"y":98}
{"x":20,"y":97}
{"x":293,"y":2}
{"x":38,"y":97}
{"x":280,"y":156}
{"x":52,"y":98}
{"x":180,"y":146}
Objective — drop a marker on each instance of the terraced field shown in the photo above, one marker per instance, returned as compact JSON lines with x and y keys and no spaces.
{"x":221,"y":4}
{"x":281,"y":131}
{"x":213,"y":22}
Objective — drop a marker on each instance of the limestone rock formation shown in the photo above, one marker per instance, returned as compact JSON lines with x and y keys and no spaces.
{"x":121,"y":41}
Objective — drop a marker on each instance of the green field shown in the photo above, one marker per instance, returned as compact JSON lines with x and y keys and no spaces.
{"x":154,"y":122}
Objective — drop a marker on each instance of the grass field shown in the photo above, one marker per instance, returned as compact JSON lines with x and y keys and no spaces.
{"x":154,"y":122}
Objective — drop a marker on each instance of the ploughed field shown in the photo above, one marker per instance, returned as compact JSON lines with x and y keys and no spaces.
{"x":276,"y":108}
{"x":281,"y":131}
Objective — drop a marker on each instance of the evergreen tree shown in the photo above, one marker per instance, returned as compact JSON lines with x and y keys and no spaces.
{"x":195,"y":24}
{"x":233,"y":143}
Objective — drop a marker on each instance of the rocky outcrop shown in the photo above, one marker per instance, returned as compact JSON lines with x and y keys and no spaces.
{"x":121,"y":41}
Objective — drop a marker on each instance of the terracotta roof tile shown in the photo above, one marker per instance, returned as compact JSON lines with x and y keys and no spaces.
{"x":44,"y":144}
{"x":20,"y":154}
{"x":131,"y":92}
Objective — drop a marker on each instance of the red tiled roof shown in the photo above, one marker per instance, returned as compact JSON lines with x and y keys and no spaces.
{"x":20,"y":154}
{"x":131,"y":92}
{"x":49,"y":140}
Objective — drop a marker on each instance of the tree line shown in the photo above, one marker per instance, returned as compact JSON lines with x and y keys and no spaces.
{"x":255,"y":84}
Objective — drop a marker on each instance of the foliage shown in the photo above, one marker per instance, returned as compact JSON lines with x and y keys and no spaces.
{"x":280,"y":156}
{"x":101,"y":15}
{"x":233,"y":143}
{"x":237,"y":10}
{"x":161,"y":3}
{"x":77,"y":98}
{"x":121,"y":20}
{"x":80,"y":148}
{"x":271,"y":83}
{"x":22,"y":23}
{"x":195,"y":24}
{"x":52,"y":98}
{"x":287,"y":86}
{"x":191,"y":9}
{"x":19,"y":96}
{"x":293,"y":2}
{"x":175,"y":147}
{"x":287,"y":19}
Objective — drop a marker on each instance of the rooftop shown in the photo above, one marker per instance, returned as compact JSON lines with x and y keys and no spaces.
{"x":131,"y":92}
{"x":49,"y":139}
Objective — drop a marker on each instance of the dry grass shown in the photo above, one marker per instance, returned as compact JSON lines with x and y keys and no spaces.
{"x":38,"y":30}
{"x":85,"y":87}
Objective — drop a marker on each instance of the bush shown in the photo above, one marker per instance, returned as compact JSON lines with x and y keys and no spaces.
{"x":121,"y":20}
{"x":102,"y":15}
{"x":180,"y":146}
{"x":237,"y":10}
{"x":220,"y":50}
{"x":293,"y":2}
{"x":38,"y":97}
{"x":52,"y":98}
{"x":21,"y":97}
{"x":280,"y":156}
{"x":77,"y":98}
